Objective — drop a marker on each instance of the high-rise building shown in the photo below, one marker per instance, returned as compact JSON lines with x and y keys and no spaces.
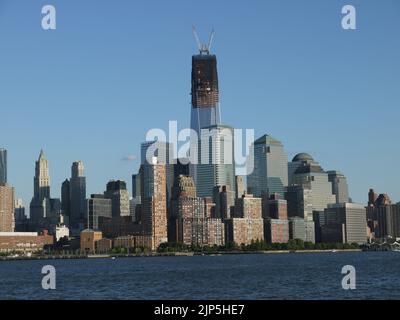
{"x":119,"y":195}
{"x":301,"y":229}
{"x":7,"y":222}
{"x":3,"y":166}
{"x":299,"y":202}
{"x":40,"y":205}
{"x":205,"y":98}
{"x":277,"y":207}
{"x":248,"y":207}
{"x":346,"y":223}
{"x":98,"y":206}
{"x":310,"y":175}
{"x":77,"y":196}
{"x":267,"y":166}
{"x":154,"y":202}
{"x":181,"y":167}
{"x":135,"y":185}
{"x":205,"y":91}
{"x":339,"y":186}
{"x":19,"y":215}
{"x":164,"y":152}
{"x":66,"y":198}
{"x":224,"y":200}
{"x":240,"y":185}
{"x":216,"y":166}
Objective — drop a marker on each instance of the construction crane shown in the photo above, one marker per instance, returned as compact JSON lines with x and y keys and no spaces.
{"x":203,"y":48}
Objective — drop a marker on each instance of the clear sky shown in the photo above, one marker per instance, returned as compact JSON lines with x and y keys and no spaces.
{"x":112,"y":70}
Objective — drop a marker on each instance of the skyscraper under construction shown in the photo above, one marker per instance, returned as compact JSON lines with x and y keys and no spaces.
{"x":205,"y":93}
{"x":205,"y":98}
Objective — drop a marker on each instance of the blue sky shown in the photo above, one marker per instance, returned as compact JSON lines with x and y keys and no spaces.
{"x":112,"y":70}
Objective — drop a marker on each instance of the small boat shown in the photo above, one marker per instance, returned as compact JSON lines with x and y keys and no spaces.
{"x":113,"y":258}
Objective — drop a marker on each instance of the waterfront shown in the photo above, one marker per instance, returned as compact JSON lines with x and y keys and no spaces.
{"x":250,"y":276}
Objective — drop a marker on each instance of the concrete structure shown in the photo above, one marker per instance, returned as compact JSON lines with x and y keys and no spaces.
{"x":119,"y":226}
{"x":24,"y":241}
{"x":104,"y":245}
{"x":346,"y":223}
{"x":276,"y":230}
{"x":216,"y":166}
{"x":62,"y":231}
{"x":301,"y":229}
{"x":240,"y":183}
{"x":244,"y":230}
{"x":118,"y":194}
{"x":40,"y":204}
{"x":267,"y":167}
{"x":310,"y":175}
{"x":339,"y":186}
{"x":299,"y":202}
{"x":20,"y":216}
{"x":224,"y":200}
{"x":98,"y":206}
{"x":277,"y":207}
{"x":88,"y":240}
{"x":78,"y":208}
{"x":7,"y":222}
{"x":66,"y":198}
{"x":193,"y":220}
{"x":133,"y":241}
{"x":248,"y":207}
{"x":3,"y":166}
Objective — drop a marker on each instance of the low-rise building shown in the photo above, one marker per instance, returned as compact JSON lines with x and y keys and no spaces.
{"x":24,"y":241}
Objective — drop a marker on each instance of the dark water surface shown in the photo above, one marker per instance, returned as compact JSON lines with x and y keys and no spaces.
{"x":247,"y":276}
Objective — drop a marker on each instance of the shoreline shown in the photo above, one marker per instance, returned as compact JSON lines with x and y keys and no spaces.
{"x":173,"y":254}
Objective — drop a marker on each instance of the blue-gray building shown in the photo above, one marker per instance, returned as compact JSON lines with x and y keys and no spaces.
{"x":267,"y":167}
{"x":3,"y":166}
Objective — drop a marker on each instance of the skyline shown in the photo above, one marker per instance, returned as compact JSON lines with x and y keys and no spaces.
{"x":65,"y":141}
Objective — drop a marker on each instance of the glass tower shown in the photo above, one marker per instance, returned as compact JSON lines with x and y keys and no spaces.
{"x":3,"y":166}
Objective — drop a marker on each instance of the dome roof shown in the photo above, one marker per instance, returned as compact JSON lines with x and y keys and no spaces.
{"x":302,"y":157}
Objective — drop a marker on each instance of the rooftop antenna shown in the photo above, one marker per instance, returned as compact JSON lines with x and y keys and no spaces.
{"x":203,"y":48}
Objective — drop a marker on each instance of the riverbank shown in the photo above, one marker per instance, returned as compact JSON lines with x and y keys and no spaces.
{"x":168,"y":254}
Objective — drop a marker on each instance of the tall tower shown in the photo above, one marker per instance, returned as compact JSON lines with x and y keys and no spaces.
{"x":42,"y":178}
{"x":3,"y":166}
{"x":7,"y":222}
{"x":154,"y":201}
{"x":205,"y":92}
{"x":40,"y":204}
{"x":77,"y":195}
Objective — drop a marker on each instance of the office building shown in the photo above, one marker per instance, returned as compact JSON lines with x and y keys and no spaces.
{"x":216,"y":165}
{"x":78,"y":208}
{"x":310,"y":175}
{"x":299,"y":202}
{"x":339,"y":186}
{"x":118,"y":194}
{"x":3,"y":166}
{"x":267,"y":167}
{"x":345,"y":223}
{"x":40,"y":204}
{"x":240,"y":184}
{"x":98,"y":206}
{"x":7,"y":222}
